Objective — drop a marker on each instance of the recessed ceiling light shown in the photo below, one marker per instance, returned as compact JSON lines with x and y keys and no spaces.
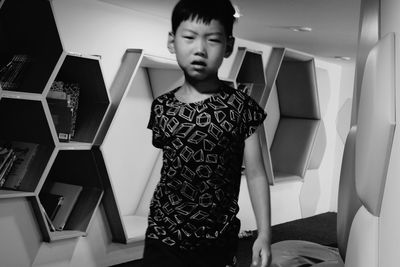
{"x":300,"y":28}
{"x":342,"y":58}
{"x":237,"y":12}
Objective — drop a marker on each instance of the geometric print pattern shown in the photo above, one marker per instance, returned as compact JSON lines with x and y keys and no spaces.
{"x":196,"y":199}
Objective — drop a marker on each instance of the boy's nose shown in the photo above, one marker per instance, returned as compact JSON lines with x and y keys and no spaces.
{"x":201,"y":49}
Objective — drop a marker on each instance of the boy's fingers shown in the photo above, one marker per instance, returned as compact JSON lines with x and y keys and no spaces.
{"x":256,"y":255}
{"x":255,"y":261}
{"x":264,"y":258}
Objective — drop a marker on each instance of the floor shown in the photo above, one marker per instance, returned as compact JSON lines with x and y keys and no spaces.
{"x":319,"y":228}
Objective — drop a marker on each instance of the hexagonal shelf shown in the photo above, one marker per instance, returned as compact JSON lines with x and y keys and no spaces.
{"x":77,"y":168}
{"x":82,"y":74}
{"x":248,"y":75}
{"x":30,"y":46}
{"x":127,"y":150}
{"x":248,"y":72}
{"x":33,"y":63}
{"x":25,"y":121}
{"x":293,"y":111}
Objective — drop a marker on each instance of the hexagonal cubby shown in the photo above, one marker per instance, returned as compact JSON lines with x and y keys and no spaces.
{"x":74,"y":183}
{"x":128,"y":156}
{"x":248,"y":75}
{"x":248,"y":72}
{"x":26,"y":138}
{"x":30,"y":46}
{"x":77,"y":99}
{"x":293,"y":111}
{"x":32,"y":62}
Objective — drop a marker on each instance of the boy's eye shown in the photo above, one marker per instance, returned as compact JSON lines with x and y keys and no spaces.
{"x":188,"y":37}
{"x":214,"y":40}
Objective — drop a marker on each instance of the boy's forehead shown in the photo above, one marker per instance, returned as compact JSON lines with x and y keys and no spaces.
{"x":198,"y":23}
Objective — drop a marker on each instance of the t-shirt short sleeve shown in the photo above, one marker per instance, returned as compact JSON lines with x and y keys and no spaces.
{"x":253,"y":117}
{"x":154,"y":123}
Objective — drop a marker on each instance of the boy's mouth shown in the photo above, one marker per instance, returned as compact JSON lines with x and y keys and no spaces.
{"x":198,"y":63}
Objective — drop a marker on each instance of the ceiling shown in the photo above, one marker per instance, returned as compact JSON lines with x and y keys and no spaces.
{"x":334,"y":23}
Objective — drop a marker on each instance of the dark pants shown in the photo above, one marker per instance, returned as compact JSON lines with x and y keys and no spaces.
{"x":158,"y":254}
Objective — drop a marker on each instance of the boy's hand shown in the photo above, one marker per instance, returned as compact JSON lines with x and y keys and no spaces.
{"x":261,"y":249}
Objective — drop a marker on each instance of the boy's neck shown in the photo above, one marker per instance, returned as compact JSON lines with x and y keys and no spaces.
{"x":210,"y":86}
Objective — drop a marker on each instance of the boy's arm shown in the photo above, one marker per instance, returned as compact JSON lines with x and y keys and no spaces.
{"x":259,"y":192}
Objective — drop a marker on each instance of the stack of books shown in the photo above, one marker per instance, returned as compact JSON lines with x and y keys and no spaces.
{"x":63,"y":102}
{"x":7,"y":158}
{"x":12,"y":73}
{"x":57,"y":203}
{"x":15,"y":160}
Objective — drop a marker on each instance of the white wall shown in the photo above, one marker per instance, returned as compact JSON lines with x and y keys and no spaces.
{"x":343,"y":121}
{"x":318,"y":194}
{"x":95,"y":27}
{"x":389,"y":217}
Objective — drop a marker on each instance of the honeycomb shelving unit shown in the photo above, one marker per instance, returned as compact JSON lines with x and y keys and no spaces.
{"x":28,"y":28}
{"x":247,"y":72}
{"x":294,"y":117}
{"x":287,"y":90}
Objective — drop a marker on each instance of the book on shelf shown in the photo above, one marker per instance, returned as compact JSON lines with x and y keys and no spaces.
{"x":62,"y":118}
{"x":51,"y":203}
{"x":70,"y":193}
{"x":69,"y":92}
{"x":48,"y":220}
{"x":12,"y":73}
{"x":5,"y":170}
{"x":5,"y":153}
{"x":57,"y":95}
{"x":24,"y":154}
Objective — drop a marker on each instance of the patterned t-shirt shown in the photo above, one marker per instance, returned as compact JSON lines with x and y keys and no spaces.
{"x":196,"y":199}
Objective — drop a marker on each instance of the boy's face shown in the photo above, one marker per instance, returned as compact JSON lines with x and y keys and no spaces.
{"x":200,"y":48}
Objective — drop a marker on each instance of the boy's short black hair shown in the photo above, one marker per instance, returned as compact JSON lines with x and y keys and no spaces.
{"x":204,"y":11}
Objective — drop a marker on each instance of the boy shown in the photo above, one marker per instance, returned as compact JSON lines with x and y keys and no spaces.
{"x":204,"y":128}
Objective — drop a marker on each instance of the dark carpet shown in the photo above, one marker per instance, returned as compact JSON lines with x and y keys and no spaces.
{"x":319,"y":229}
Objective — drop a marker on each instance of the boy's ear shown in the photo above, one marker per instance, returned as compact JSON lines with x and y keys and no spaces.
{"x":170,"y":43}
{"x":229,"y":46}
